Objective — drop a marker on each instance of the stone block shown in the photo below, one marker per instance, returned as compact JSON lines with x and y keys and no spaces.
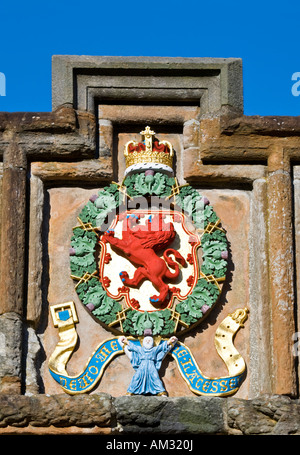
{"x":57,"y":410}
{"x":186,"y":415}
{"x":217,"y":81}
{"x":10,"y":353}
{"x":264,"y":415}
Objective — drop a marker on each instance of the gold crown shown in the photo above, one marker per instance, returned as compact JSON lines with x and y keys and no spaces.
{"x":148,"y":152}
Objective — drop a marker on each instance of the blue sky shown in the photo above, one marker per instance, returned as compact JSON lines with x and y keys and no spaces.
{"x":264,"y":34}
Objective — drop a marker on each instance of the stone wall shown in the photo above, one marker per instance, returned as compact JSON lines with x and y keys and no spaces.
{"x":247,"y":166}
{"x":138,"y":416}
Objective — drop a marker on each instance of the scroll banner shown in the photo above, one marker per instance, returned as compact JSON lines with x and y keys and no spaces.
{"x":93,"y":371}
{"x":108,"y":349}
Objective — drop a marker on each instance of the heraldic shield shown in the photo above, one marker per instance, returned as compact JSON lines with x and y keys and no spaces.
{"x":148,"y":258}
{"x":152,"y":254}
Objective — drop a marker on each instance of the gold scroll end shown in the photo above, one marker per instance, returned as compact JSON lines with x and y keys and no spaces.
{"x":240,"y":316}
{"x":67,"y":306}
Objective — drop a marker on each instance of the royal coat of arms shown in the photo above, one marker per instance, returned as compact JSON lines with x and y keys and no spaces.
{"x":148,"y":258}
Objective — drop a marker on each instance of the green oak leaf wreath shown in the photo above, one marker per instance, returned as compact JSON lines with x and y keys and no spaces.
{"x":85,"y":239}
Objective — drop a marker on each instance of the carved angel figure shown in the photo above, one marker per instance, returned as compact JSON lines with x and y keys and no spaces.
{"x":146,"y":359}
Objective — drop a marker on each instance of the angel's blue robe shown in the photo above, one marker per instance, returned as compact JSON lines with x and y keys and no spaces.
{"x":147,"y":363}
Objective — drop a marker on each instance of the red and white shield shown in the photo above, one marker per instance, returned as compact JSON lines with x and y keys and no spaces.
{"x":149,"y":257}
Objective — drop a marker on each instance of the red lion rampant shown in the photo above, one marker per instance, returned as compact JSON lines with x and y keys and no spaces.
{"x":139,"y":244}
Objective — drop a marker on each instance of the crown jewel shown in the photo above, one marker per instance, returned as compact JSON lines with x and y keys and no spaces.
{"x":149,"y":154}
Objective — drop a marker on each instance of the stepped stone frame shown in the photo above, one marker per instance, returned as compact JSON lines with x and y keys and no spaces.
{"x":95,"y":98}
